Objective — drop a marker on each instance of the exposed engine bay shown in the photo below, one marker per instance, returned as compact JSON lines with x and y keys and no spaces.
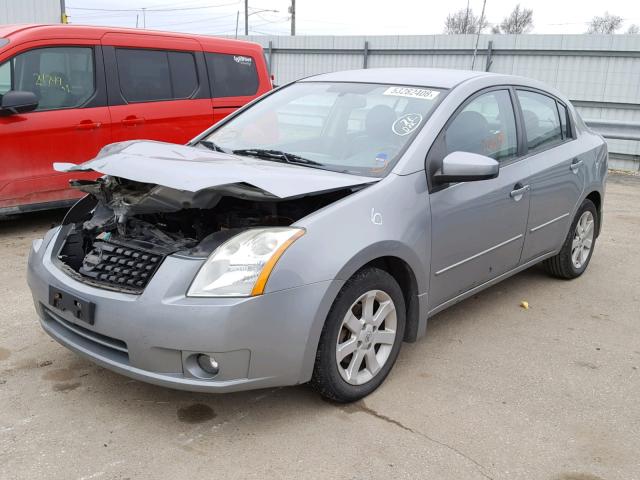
{"x":119,"y":234}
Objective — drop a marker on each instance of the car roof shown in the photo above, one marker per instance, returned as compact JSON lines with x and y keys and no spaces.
{"x":427,"y":77}
{"x":44,"y":31}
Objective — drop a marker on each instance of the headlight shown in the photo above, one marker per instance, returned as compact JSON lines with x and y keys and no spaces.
{"x":241,"y":266}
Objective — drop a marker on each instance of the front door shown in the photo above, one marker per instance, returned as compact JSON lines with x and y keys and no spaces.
{"x":478,"y":227}
{"x":71,"y":122}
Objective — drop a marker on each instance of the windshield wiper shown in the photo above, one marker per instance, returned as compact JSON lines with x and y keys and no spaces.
{"x":278,"y":155}
{"x":212,"y":146}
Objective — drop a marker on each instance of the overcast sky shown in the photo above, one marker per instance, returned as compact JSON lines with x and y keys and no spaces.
{"x":337,"y":17}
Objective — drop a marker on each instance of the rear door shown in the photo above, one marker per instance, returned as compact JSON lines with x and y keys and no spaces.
{"x":235,"y":81}
{"x":477,"y":228}
{"x":158,"y":87}
{"x":71,"y":122}
{"x":557,"y":171}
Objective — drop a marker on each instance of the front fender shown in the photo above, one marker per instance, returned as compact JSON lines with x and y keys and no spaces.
{"x":389,"y":218}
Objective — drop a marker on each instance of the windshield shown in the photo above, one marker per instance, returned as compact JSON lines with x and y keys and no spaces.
{"x":357,"y":128}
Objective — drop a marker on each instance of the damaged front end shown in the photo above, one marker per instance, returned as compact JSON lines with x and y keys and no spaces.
{"x":119,"y":234}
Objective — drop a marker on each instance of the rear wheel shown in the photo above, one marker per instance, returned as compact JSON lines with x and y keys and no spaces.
{"x":361,"y":337}
{"x":577,"y":249}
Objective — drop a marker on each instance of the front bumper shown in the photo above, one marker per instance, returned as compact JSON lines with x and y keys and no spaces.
{"x":264,"y":341}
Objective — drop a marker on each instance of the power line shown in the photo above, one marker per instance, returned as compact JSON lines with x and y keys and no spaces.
{"x":152,"y":9}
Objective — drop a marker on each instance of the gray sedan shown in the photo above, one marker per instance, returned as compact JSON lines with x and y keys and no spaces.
{"x":305,"y":237}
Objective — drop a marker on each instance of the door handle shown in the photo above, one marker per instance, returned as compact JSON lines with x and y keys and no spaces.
{"x":575,"y":165}
{"x":88,"y":125}
{"x":132,"y":121}
{"x":518,"y":191}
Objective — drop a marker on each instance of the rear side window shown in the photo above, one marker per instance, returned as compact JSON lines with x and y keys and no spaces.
{"x":232,"y":75}
{"x":486,"y":126}
{"x":564,"y":123}
{"x":153,"y":75}
{"x":60,"y":77}
{"x":541,"y":121}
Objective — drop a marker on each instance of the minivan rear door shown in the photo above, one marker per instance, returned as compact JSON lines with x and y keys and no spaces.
{"x":234,"y":79}
{"x":158,"y":87}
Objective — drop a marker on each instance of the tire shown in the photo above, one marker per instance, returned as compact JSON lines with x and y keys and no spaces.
{"x":563,"y":265}
{"x":373,"y":346}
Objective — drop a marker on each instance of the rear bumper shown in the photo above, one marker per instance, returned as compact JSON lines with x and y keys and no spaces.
{"x":263,"y":341}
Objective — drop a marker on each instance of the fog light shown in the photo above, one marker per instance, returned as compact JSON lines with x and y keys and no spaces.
{"x":208,"y":364}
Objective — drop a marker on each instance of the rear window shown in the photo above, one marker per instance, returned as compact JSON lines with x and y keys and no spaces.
{"x":232,"y":75}
{"x":153,"y":75}
{"x":541,"y":120}
{"x":564,"y":126}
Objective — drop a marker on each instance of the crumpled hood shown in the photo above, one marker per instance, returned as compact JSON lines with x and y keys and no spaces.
{"x":193,"y":169}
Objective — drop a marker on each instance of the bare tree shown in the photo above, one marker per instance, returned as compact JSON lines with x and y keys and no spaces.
{"x":520,"y":20}
{"x":463,"y":22}
{"x":606,"y":24}
{"x":633,"y":29}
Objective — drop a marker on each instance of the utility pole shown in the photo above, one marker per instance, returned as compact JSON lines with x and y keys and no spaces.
{"x":475,"y":50}
{"x":292,"y":11}
{"x":144,"y":17}
{"x":246,"y":17}
{"x":237,"y":19}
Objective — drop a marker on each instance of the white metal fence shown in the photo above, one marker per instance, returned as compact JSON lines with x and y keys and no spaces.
{"x":599,"y":73}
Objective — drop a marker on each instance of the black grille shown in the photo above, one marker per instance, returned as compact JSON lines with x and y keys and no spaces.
{"x":120,"y":266}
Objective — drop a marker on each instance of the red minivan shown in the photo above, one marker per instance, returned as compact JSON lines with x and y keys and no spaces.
{"x":98,"y":85}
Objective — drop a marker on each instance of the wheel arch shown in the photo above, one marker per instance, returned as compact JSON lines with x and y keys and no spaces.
{"x":402,"y":264}
{"x":596,"y":198}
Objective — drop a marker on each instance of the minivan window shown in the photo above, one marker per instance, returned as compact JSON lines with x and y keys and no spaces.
{"x":232,"y":75}
{"x":60,"y":77}
{"x":541,"y":122}
{"x":358,"y":128}
{"x":485,"y":126}
{"x":154,"y":75}
{"x":5,"y":77}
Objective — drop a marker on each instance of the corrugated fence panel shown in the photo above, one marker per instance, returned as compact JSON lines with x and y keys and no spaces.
{"x":30,"y":11}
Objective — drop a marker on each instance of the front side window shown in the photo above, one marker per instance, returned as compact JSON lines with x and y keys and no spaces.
{"x":60,"y":77}
{"x":485,"y":126}
{"x":232,"y":75}
{"x":155,"y":75}
{"x":357,"y":128}
{"x":5,"y":77}
{"x":541,"y":121}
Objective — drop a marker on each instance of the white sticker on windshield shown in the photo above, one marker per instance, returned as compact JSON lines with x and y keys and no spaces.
{"x":412,"y":92}
{"x":406,"y":124}
{"x":242,"y":60}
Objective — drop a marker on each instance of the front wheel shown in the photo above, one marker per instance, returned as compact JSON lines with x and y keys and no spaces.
{"x":573,"y":258}
{"x":361,"y":337}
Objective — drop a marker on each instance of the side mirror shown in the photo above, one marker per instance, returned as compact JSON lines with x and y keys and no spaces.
{"x":466,"y":167}
{"x":18,"y":102}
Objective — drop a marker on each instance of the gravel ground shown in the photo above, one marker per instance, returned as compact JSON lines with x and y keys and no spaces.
{"x":493,"y":390}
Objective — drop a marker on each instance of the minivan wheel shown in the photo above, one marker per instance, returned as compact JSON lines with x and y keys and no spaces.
{"x":361,"y":337}
{"x":577,"y":249}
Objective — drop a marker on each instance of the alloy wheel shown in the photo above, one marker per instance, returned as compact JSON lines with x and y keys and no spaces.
{"x":582,"y":239}
{"x":366,"y":337}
